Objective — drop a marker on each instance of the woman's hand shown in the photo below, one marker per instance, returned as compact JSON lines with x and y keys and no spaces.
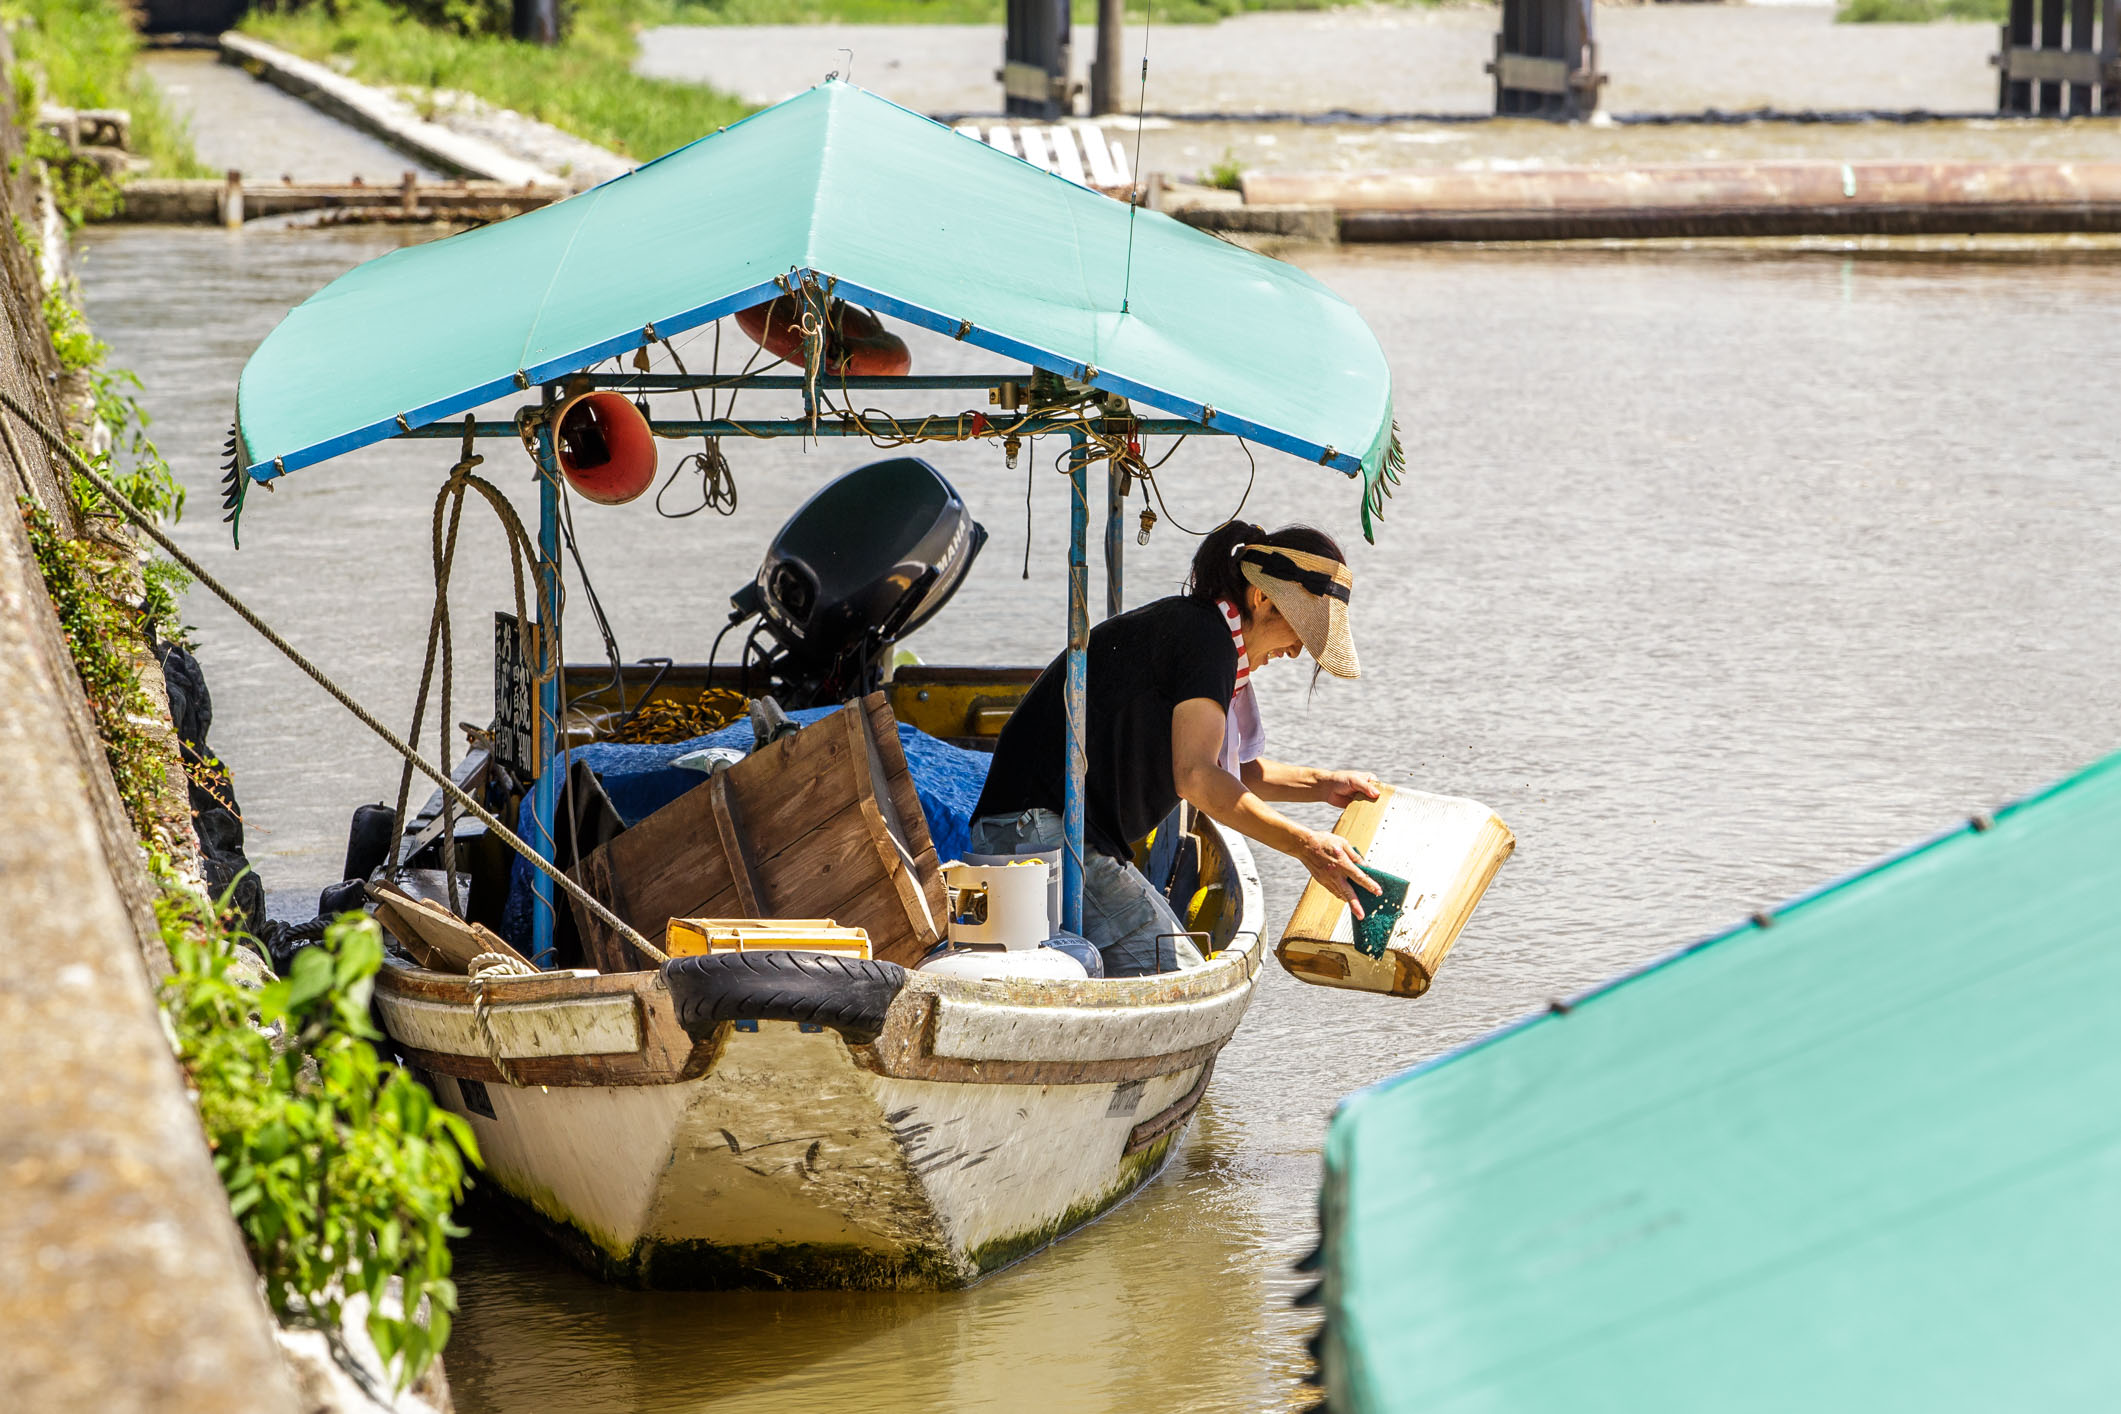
{"x":1333,"y":862}
{"x":1342,"y":789}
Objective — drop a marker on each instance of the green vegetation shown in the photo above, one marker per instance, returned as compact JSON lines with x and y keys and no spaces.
{"x":1229,"y":174}
{"x":80,"y":54}
{"x":340,"y":1168}
{"x":84,"y":581}
{"x":1861,"y":12}
{"x":585,"y":84}
{"x":341,"y":1171}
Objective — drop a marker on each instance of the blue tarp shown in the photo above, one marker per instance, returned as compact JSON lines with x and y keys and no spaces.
{"x":640,"y":781}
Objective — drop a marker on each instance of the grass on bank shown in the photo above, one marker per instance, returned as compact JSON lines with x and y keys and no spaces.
{"x":79,"y":54}
{"x":585,"y":84}
{"x":1900,"y":12}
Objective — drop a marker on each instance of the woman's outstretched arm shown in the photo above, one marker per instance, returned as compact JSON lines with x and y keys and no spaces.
{"x":1278,"y":780}
{"x":1196,"y":740}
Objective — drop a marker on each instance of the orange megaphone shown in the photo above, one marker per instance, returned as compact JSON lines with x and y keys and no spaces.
{"x":606,"y":450}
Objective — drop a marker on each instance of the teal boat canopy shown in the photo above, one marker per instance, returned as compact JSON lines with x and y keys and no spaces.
{"x":891,"y":210}
{"x":1860,"y":1154}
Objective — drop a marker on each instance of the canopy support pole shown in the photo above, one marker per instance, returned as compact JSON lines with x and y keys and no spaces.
{"x":1115,"y":538}
{"x":1078,"y":679}
{"x":546,"y":797}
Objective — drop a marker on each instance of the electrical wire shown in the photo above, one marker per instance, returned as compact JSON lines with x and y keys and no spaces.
{"x":717,"y":481}
{"x":1148,"y":475}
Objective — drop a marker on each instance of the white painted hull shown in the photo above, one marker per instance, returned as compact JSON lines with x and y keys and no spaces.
{"x":987,"y":1120}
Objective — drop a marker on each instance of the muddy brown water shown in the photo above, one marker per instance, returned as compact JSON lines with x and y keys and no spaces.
{"x":1717,"y":573}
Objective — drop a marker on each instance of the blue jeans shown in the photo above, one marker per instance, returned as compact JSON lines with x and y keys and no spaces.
{"x":1133,"y":926}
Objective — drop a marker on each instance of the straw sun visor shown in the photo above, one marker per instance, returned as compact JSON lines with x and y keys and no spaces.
{"x":1312,"y":593}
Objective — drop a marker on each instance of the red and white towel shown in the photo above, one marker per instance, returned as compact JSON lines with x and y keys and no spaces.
{"x":1244,"y":738}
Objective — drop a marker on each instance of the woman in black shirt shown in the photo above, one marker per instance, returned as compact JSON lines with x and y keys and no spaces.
{"x":1171,"y":716}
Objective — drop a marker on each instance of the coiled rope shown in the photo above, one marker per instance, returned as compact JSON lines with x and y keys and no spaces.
{"x":486,"y":967}
{"x":59,"y":443}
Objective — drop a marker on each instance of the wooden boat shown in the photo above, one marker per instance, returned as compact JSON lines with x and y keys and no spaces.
{"x":971,"y":1123}
{"x":985,"y":1120}
{"x":963,"y":1122}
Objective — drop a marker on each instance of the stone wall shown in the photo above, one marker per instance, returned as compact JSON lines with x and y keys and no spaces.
{"x":123,"y":1283}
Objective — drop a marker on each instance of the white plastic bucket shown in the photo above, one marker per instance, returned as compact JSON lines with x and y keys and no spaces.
{"x":1001,"y":904}
{"x":1051,"y":858}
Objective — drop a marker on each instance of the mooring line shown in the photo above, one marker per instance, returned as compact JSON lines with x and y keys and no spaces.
{"x":199,"y":572}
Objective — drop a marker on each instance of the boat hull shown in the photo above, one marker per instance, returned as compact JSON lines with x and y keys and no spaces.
{"x":986,"y":1121}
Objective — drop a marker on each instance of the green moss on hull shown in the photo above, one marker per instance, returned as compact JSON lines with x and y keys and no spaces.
{"x":651,"y":1265}
{"x":802,"y":1266}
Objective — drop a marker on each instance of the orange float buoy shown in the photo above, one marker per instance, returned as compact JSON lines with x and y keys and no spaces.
{"x":856,"y":341}
{"x":606,"y":450}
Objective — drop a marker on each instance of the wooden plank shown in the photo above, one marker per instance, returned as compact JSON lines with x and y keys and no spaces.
{"x":740,"y":873}
{"x":970,"y":130}
{"x":447,"y":942}
{"x":1119,"y":164}
{"x":2052,"y":66}
{"x":1034,"y":141}
{"x":905,"y":796}
{"x":1530,"y":75}
{"x":891,"y":825}
{"x":1098,"y":156}
{"x":1065,"y":159}
{"x":998,"y":137}
{"x":602,"y":948}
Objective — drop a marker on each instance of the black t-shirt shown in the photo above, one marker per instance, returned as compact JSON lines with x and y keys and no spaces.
{"x":1141,"y":664}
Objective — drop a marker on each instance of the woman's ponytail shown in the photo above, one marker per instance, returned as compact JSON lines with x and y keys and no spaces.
{"x":1215,"y":573}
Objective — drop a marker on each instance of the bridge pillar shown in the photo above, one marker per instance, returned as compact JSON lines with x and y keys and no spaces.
{"x":2040,"y":71}
{"x":1546,"y":60}
{"x":1035,"y":60}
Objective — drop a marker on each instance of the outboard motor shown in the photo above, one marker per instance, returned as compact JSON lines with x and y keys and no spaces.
{"x":861,"y":564}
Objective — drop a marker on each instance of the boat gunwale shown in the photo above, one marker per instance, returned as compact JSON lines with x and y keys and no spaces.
{"x":904,"y":1049}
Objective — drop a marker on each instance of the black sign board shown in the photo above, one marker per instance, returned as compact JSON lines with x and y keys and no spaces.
{"x":515,"y":705}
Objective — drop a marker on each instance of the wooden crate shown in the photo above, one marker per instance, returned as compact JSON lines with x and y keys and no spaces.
{"x":821,"y":824}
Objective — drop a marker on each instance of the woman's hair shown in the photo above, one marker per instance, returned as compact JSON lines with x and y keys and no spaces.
{"x":1215,"y":569}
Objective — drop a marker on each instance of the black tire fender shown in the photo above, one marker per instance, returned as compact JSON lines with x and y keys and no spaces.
{"x":848,"y":994}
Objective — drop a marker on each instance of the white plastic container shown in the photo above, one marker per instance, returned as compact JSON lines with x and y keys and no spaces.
{"x":992,"y":964}
{"x":1052,"y":860}
{"x":1002,"y":904}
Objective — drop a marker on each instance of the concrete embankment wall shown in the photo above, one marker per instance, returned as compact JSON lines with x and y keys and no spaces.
{"x":123,"y":1283}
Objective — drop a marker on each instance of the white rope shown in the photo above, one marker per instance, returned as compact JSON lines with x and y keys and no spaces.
{"x":486,"y":966}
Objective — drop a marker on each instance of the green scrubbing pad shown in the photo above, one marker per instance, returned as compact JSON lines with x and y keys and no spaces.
{"x":1379,"y":912}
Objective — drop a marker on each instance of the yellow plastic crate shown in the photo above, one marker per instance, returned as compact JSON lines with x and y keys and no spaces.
{"x":693,"y":937}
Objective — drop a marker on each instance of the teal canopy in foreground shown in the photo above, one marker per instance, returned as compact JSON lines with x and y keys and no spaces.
{"x":907,"y":216}
{"x":1867,"y":1157}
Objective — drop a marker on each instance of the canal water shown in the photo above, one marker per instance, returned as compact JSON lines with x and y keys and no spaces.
{"x":1716,"y":573}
